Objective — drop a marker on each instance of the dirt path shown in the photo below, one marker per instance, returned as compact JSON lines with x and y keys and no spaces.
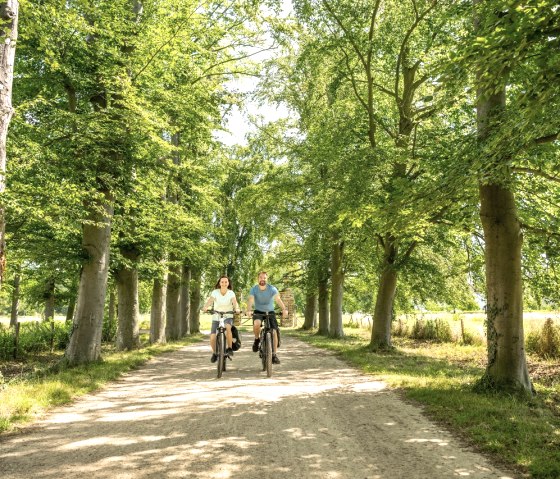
{"x":173,"y":418}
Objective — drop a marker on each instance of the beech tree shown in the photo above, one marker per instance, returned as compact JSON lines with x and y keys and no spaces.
{"x":512,"y":128}
{"x":9,"y":12}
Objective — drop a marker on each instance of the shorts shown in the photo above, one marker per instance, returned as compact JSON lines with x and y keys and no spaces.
{"x":257,"y":316}
{"x":215,"y":324}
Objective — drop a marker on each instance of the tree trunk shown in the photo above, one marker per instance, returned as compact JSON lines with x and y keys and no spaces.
{"x":184,"y":317}
{"x":195,"y":302}
{"x":310,"y":313}
{"x":323,"y":306}
{"x":48,"y":314}
{"x":71,"y":308}
{"x":337,"y":288}
{"x":157,"y":316}
{"x":8,"y":35}
{"x":112,"y":313}
{"x":507,"y":366}
{"x":173,"y":303}
{"x":15,"y":299}
{"x":85,"y":342}
{"x":383,"y":314}
{"x":128,"y":331}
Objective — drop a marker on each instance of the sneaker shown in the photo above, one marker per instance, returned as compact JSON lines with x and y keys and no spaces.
{"x":256,"y":345}
{"x":213,"y":358}
{"x":229,"y":352}
{"x":275,"y":359}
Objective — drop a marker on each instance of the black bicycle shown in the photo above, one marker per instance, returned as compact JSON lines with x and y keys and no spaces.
{"x":266,"y":338}
{"x":221,"y":343}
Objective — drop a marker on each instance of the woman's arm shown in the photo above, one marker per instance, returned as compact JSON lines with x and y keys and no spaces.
{"x":235,"y":304}
{"x":208,"y":302}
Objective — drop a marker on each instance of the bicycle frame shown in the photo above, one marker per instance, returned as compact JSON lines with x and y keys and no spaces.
{"x":266,"y":344}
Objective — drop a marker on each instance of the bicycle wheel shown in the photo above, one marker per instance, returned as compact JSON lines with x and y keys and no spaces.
{"x":268,"y":354}
{"x":220,"y":351}
{"x":262,"y":351}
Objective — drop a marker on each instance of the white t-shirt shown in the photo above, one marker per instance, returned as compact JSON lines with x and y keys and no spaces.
{"x":222,"y":302}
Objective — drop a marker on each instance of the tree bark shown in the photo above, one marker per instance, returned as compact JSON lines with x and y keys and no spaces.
{"x":310,"y":313}
{"x":173,"y":303}
{"x":185,"y":308}
{"x":71,"y":308}
{"x":128,"y":311}
{"x":15,"y":299}
{"x":9,"y":12}
{"x":195,"y":302}
{"x":383,"y":313}
{"x":48,"y":314}
{"x":85,"y":341}
{"x":337,"y":289}
{"x":157,"y":316}
{"x":112,"y":313}
{"x":323,"y":305}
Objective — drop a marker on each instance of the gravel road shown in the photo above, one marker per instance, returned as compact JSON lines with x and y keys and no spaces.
{"x":315,"y":418}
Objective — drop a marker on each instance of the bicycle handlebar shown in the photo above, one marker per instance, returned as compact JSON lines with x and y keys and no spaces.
{"x":264,"y":313}
{"x":221,"y":313}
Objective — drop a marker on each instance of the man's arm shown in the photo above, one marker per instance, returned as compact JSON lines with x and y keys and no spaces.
{"x":250,"y":304}
{"x":281,"y":304}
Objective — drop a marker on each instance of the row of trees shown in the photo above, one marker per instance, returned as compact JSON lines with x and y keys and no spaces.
{"x":114,"y":172}
{"x":424,"y":149}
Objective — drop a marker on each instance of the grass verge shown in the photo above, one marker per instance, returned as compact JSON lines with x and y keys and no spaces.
{"x":524,"y":434}
{"x":30,"y":395}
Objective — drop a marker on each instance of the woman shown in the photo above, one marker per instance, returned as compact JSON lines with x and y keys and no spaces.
{"x":223,"y":299}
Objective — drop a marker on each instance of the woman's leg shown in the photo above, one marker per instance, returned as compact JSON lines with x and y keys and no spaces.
{"x":213,"y":342}
{"x":229,"y":336}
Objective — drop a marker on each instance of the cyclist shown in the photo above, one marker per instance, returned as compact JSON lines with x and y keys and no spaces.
{"x":263,"y":295}
{"x":223,"y":299}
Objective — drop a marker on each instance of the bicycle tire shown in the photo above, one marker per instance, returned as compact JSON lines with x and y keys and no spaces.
{"x":268,"y":354}
{"x":262,"y":351}
{"x":220,"y":350}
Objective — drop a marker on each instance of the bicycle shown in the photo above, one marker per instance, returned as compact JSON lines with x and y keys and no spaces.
{"x":266,"y":341}
{"x":221,"y":343}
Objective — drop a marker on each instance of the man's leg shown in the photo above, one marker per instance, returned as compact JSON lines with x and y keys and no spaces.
{"x":274,"y":325}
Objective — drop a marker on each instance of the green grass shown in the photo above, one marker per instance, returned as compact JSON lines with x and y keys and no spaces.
{"x":524,"y":434}
{"x":26,"y":397}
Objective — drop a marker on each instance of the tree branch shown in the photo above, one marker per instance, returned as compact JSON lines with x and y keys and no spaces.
{"x":540,"y":173}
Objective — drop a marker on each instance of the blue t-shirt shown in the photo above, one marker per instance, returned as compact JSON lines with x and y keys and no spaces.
{"x":264,"y":299}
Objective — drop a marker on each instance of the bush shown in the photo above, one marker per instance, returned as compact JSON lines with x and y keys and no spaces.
{"x":400,"y":328}
{"x":434,"y":330}
{"x":546,"y":342}
{"x":468,"y":337}
{"x":471,"y":338}
{"x":35,"y":337}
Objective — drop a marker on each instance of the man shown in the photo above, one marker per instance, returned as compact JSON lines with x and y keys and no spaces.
{"x":263,"y":295}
